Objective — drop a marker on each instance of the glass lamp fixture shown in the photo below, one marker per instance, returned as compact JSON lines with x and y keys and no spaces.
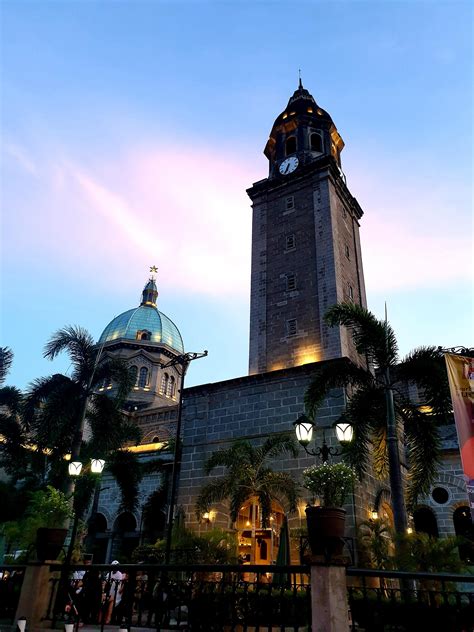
{"x":374,"y":514}
{"x":74,"y":468}
{"x":304,"y":429}
{"x":409,"y":530}
{"x":97,"y":465}
{"x":344,"y":432}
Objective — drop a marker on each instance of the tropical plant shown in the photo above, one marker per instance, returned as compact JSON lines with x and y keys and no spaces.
{"x":375,"y":544}
{"x":248,"y":476}
{"x":55,"y":411}
{"x":378,"y":403}
{"x":421,"y":552}
{"x":330,"y":482}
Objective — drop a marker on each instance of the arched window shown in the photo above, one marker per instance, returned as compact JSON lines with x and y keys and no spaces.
{"x":143,"y":378}
{"x":134,"y":374}
{"x":171,"y":387}
{"x":290,"y":145}
{"x":425,"y":522}
{"x":464,"y":527}
{"x":164,"y":383}
{"x":144,"y":335}
{"x":316,"y":142}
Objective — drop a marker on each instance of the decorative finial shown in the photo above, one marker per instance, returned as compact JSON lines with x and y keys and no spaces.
{"x":300,"y":85}
{"x":150,"y":293}
{"x":153,"y":269}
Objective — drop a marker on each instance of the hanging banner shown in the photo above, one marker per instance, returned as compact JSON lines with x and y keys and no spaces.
{"x":461,"y":384}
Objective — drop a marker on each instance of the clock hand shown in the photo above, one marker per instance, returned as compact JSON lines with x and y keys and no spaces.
{"x":286,"y":168}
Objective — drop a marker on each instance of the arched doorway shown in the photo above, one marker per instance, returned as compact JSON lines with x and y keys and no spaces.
{"x":425,"y":522}
{"x":464,"y":527}
{"x":258,"y":545}
{"x":125,"y":538}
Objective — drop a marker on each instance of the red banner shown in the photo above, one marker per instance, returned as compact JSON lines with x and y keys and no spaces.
{"x":461,"y":383}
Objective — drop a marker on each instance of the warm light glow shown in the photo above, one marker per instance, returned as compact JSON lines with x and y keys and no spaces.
{"x":97,"y":465}
{"x":285,"y":115}
{"x":344,"y":432}
{"x":304,"y":429}
{"x":292,"y":113}
{"x":146,"y":447}
{"x":409,"y":530}
{"x":426,"y":409}
{"x":74,"y":468}
{"x":206,"y":515}
{"x":310,"y":110}
{"x":247,"y":524}
{"x":374,"y":514}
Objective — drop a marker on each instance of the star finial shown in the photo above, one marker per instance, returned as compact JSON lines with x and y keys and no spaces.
{"x":153,"y":269}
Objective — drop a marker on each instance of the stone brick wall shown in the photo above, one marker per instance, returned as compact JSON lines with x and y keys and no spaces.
{"x":254,"y":407}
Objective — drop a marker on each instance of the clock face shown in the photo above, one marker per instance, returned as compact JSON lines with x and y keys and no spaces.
{"x":288,"y":165}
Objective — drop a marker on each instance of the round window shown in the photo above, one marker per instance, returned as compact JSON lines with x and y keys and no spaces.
{"x":440,"y":495}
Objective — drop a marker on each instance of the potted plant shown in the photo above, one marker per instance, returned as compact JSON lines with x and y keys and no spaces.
{"x":48,"y":512}
{"x":331,"y":483}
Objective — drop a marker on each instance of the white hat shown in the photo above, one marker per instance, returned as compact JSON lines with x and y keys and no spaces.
{"x":115,"y":562}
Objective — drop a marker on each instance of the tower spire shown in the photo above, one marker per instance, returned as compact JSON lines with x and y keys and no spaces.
{"x":150,"y":293}
{"x":300,"y":83}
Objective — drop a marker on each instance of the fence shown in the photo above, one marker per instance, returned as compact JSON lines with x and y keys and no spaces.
{"x":409,"y":602}
{"x":202,"y":598}
{"x":238,"y":598}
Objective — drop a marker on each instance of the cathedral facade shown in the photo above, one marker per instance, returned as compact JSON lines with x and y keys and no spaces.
{"x":306,"y":257}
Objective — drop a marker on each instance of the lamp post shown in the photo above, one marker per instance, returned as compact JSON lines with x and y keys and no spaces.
{"x":182,"y":362}
{"x":304,"y":428}
{"x":75,"y":469}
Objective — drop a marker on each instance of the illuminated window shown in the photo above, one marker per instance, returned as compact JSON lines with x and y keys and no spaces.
{"x":134,"y":374}
{"x":292,"y":327}
{"x":171,"y":387}
{"x":290,"y":145}
{"x":285,"y":115}
{"x":290,"y":242}
{"x":289,"y":203}
{"x":143,"y":377}
{"x":164,"y":383}
{"x":292,"y":113}
{"x":316,"y":142}
{"x":310,"y":110}
{"x":290,"y":282}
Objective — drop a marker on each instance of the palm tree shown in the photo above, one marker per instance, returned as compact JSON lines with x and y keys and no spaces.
{"x":379,"y":407}
{"x":12,"y":439}
{"x":248,"y":477}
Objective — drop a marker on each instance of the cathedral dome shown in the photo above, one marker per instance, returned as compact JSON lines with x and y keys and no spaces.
{"x":144,"y":323}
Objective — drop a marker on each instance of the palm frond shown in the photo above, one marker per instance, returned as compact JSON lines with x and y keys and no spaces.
{"x":213,"y":492}
{"x":372,"y":337}
{"x":11,"y":398}
{"x":79,"y":345}
{"x":239,"y":453}
{"x":281,"y":486}
{"x":6,"y":360}
{"x":424,"y":452}
{"x":275,"y":445}
{"x":126,"y":469}
{"x":426,"y":368}
{"x":117,"y":372}
{"x":334,"y":375}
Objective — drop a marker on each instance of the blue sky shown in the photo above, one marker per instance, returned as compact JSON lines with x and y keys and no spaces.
{"x":130,"y":131}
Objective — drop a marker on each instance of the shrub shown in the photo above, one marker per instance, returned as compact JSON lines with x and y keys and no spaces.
{"x":330,"y":482}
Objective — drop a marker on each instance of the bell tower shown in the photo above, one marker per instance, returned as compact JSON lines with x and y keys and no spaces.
{"x":306,"y":252}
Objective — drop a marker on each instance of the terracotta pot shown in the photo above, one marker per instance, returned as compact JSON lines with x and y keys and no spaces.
{"x":326,"y":530}
{"x":49,"y":543}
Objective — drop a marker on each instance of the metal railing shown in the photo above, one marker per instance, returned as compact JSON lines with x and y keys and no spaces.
{"x":204,"y":598}
{"x":386,"y":601}
{"x":11,"y":581}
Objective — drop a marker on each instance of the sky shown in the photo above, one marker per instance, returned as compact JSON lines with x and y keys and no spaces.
{"x":130,"y":131}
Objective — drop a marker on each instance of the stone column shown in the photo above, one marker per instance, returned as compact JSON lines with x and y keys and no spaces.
{"x":35,"y":595}
{"x":329,"y":606}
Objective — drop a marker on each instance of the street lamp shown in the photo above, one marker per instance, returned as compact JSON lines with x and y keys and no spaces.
{"x":97,"y":465}
{"x":74,"y":468}
{"x":304,"y":433}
